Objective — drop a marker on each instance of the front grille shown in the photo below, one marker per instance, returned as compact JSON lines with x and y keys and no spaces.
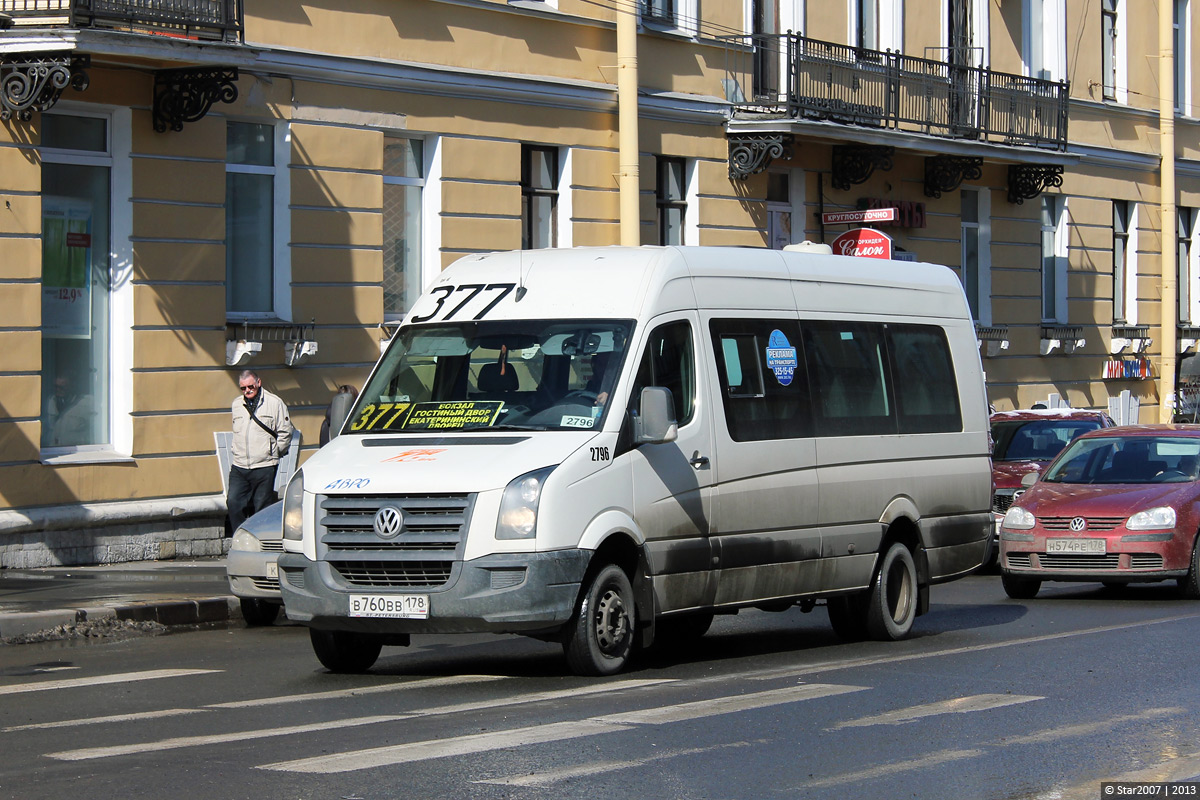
{"x":1002,"y":500}
{"x":1093,"y":523}
{"x":394,"y":573}
{"x":1019,"y":560}
{"x":1078,"y":561}
{"x":272,"y":545}
{"x":266,"y":584}
{"x":1145,"y":561}
{"x":422,"y":554}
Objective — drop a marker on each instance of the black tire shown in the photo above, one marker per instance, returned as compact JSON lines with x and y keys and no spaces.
{"x":345,"y":651}
{"x":682,"y":630}
{"x":848,"y":616}
{"x":600,"y":635}
{"x":1020,"y":588}
{"x":1189,"y":585}
{"x":892,"y":598}
{"x":258,"y":612}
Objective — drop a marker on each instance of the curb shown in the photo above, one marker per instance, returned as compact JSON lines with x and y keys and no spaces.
{"x":171,"y":612}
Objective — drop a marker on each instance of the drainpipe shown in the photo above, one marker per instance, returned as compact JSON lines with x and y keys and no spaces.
{"x":627,"y":124}
{"x":1166,"y":126}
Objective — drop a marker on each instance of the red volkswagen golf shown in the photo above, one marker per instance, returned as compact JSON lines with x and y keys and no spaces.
{"x":1119,"y":505}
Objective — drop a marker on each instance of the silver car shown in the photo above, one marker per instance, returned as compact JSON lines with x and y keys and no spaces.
{"x":253,"y":573}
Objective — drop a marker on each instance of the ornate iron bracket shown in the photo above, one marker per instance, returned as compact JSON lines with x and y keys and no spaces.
{"x":946,"y":173}
{"x":1027,"y":181}
{"x":752,"y":154}
{"x":855,"y":163}
{"x":186,"y":95}
{"x":28,"y":85}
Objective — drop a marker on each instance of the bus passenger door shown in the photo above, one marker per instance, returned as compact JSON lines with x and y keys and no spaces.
{"x":672,"y":481}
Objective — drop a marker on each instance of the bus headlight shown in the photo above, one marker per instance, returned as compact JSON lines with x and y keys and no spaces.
{"x":293,"y":508}
{"x":519,"y":505}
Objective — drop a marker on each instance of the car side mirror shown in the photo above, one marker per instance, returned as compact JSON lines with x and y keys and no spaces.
{"x":1029,"y":479}
{"x":655,"y":422}
{"x":339,"y":409}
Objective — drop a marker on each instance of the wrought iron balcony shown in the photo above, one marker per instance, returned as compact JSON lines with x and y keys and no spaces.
{"x":219,"y":20}
{"x":788,"y":76}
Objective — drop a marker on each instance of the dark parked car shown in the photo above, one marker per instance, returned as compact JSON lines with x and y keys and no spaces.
{"x":1025,"y":441}
{"x":1119,"y":505}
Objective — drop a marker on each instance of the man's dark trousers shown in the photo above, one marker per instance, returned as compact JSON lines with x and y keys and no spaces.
{"x":250,"y":491}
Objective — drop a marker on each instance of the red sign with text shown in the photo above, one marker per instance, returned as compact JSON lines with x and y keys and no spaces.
{"x":864,"y":243}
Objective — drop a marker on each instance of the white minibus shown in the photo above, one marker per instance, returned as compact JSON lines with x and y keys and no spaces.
{"x":606,"y":447}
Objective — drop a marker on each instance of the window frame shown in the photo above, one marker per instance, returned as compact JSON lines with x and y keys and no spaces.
{"x":423,"y":183}
{"x":1054,"y":261}
{"x":119,"y":161}
{"x":281,"y":224}
{"x":664,"y":202}
{"x":529,"y":192}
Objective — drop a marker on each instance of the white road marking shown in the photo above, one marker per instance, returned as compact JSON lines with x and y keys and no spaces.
{"x":853,"y":663}
{"x":728,"y":705}
{"x":424,"y":683}
{"x":1084,"y":729}
{"x":219,"y":738}
{"x":99,"y":680}
{"x":443,"y":748}
{"x":1183,"y":768}
{"x":70,"y":723}
{"x":537,"y":697}
{"x":547,"y":780}
{"x":894,"y":768}
{"x":560,"y":731}
{"x":957,"y":705}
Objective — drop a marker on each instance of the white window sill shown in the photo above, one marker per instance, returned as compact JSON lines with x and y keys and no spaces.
{"x":61,"y":457}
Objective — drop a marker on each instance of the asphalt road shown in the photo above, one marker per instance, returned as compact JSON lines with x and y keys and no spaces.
{"x":992,"y":698}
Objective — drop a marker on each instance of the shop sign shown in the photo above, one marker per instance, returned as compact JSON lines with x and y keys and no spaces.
{"x":908,"y":213}
{"x":869,"y":215}
{"x":864,"y":243}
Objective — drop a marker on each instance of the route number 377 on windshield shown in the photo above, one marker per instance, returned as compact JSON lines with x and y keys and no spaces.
{"x":441,"y":296}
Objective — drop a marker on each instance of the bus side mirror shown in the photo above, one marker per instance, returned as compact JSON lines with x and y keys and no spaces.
{"x":339,"y":409}
{"x":655,"y":422}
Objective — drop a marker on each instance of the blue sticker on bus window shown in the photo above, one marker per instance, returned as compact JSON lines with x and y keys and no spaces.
{"x":781,"y":357}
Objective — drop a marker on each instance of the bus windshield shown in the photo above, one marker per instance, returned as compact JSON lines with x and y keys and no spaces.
{"x":479,"y":376}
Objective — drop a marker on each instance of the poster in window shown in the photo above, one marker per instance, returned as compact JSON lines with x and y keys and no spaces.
{"x":66,"y":268}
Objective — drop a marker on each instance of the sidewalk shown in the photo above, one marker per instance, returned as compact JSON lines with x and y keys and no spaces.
{"x":184,"y":592}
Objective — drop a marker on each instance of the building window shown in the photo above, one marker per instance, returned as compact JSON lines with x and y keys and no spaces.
{"x":1120,"y":236}
{"x":539,"y":196}
{"x":1054,"y":259}
{"x":970,"y":248}
{"x":403,"y":220}
{"x":1108,"y":47}
{"x":866,"y":24}
{"x":1183,"y":56}
{"x":77,"y":281}
{"x":671,"y":200}
{"x":1045,"y":38}
{"x":255,"y":225}
{"x":678,"y":16}
{"x":1186,"y":283}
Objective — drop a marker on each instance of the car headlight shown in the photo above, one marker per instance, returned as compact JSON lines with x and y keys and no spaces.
{"x":519,"y":505}
{"x":293,"y":508}
{"x":245,"y":540}
{"x":1018,"y":519}
{"x":1155,"y":519}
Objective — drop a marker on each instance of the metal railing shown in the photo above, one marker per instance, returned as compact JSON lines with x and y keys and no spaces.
{"x":788,"y":75}
{"x":192,"y":19}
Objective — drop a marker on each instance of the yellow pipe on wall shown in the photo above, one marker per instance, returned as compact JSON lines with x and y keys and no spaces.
{"x":627,"y":122}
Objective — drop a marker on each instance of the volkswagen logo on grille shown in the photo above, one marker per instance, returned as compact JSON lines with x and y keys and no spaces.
{"x":1017,"y":494}
{"x":1078,"y":524}
{"x":389,"y":521}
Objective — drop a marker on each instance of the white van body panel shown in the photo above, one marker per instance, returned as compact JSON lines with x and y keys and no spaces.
{"x":705,"y":522}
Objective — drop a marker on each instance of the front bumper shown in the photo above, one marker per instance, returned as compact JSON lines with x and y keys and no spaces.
{"x":252,"y":574}
{"x":510,"y":593}
{"x":1127,"y":559}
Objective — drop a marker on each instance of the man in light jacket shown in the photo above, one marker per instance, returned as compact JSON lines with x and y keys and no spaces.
{"x":262,"y":432}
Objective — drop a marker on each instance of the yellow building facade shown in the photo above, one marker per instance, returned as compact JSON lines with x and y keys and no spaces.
{"x":193,"y":189}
